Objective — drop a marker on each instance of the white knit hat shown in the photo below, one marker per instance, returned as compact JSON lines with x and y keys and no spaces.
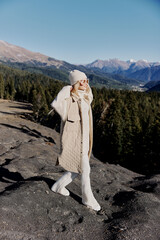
{"x":76,"y":75}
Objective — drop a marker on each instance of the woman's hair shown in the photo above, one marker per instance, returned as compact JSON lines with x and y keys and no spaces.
{"x":76,"y":86}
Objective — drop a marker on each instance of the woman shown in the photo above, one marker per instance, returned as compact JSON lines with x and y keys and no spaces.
{"x":73,"y":104}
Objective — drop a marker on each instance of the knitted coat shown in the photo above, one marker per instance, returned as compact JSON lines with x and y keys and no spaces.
{"x":68,"y":106}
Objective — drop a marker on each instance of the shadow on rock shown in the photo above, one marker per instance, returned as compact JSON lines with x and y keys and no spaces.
{"x":144,"y":184}
{"x":16,"y":180}
{"x":22,"y":107}
{"x":31,"y":132}
{"x":121,"y":198}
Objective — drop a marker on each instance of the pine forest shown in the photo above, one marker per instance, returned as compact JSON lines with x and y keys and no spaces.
{"x":126,"y":124}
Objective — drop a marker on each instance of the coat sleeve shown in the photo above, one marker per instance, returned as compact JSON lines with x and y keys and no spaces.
{"x":89,"y":95}
{"x":59,"y":103}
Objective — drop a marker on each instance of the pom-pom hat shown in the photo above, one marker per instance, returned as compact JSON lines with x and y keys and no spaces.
{"x":76,"y":75}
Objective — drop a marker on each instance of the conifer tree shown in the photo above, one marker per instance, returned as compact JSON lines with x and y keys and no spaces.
{"x":9,"y":88}
{"x":1,"y":86}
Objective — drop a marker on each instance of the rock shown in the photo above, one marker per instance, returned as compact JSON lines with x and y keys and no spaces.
{"x":30,"y":210}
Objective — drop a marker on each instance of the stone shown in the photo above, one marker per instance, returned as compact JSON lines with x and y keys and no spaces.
{"x":30,"y":210}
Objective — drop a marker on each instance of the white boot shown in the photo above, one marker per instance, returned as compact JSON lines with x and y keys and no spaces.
{"x":88,"y":198}
{"x":62,"y":191}
{"x":93,"y":204}
{"x":59,"y":185}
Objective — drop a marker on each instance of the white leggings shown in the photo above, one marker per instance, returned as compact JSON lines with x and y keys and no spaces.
{"x":68,"y":177}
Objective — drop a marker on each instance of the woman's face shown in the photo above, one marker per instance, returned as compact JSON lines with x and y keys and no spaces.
{"x":83,"y":84}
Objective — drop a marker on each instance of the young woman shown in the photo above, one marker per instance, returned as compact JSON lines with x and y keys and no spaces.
{"x":73,"y":104}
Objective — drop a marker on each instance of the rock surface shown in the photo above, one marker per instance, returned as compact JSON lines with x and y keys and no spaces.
{"x":29,"y":210}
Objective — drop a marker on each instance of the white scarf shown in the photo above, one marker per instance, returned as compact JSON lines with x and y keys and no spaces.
{"x":88,"y":97}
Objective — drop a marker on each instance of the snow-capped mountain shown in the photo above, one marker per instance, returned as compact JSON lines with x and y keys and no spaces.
{"x":109,"y":66}
{"x":131,"y":68}
{"x":116,"y":65}
{"x":131,"y":61}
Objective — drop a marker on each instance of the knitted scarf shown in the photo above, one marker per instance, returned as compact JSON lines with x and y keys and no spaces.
{"x":88,"y":97}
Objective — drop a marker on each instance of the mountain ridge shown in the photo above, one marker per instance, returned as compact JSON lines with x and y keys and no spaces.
{"x":20,"y":54}
{"x":130,"y":69}
{"x":110,"y":73}
{"x":57,"y":69}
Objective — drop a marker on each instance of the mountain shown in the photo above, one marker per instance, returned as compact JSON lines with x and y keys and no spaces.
{"x":141,"y":70}
{"x":109,"y":66}
{"x":151,"y":84}
{"x":21,"y":58}
{"x":155,"y":88}
{"x":147,"y":74}
{"x":13,"y":54}
{"x":30,"y":210}
{"x":116,"y":65}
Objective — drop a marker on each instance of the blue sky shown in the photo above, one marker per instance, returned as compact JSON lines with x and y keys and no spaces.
{"x":80,"y":32}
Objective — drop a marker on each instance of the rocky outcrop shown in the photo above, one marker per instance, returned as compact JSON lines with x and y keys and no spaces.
{"x":30,"y":210}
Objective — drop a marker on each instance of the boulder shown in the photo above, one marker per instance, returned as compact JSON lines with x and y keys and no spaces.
{"x":30,"y":210}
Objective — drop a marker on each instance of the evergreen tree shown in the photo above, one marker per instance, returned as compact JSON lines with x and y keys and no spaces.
{"x":9,"y":88}
{"x":114,"y":129}
{"x":1,"y":86}
{"x":126,"y":124}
